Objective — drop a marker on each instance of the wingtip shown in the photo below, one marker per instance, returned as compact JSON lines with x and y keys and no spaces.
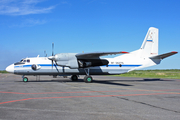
{"x":124,"y":52}
{"x":174,"y":52}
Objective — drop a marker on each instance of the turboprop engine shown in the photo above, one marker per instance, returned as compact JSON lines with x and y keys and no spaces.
{"x":65,"y":60}
{"x":70,"y":60}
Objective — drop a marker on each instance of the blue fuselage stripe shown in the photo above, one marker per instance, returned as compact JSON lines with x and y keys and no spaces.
{"x":48,"y":65}
{"x":124,"y":65}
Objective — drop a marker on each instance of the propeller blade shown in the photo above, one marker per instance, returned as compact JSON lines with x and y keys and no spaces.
{"x":52,"y":63}
{"x":52,"y":49}
{"x":56,"y":67}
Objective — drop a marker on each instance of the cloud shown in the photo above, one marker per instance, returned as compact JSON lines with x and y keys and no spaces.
{"x":22,"y":7}
{"x":30,"y":23}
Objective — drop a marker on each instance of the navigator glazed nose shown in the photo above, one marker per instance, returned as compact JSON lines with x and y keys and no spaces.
{"x":10,"y":68}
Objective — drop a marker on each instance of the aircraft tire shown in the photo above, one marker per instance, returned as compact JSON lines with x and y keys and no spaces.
{"x":74,"y":77}
{"x":88,"y":79}
{"x":25,"y":79}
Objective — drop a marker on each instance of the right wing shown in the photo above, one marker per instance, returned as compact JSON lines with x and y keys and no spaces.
{"x":97,"y":54}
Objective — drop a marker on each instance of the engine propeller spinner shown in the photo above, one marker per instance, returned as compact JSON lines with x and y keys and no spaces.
{"x":51,"y":58}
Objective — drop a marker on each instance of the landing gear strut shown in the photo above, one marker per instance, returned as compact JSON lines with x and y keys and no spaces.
{"x":87,"y":78}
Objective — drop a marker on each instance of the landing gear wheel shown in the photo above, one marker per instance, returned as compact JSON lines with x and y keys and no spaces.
{"x":25,"y":79}
{"x":74,"y":77}
{"x":88,"y":79}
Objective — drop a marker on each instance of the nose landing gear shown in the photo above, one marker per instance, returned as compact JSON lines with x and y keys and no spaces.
{"x":25,"y":79}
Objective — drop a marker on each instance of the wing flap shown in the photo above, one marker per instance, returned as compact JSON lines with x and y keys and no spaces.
{"x":97,"y":54}
{"x":162,"y":56}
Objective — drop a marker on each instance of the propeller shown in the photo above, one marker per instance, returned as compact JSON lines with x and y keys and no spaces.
{"x":52,"y":58}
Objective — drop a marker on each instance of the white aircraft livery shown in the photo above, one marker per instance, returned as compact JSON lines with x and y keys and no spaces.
{"x":75,"y":64}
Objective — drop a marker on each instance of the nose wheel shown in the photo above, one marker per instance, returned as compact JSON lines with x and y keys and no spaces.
{"x":25,"y":79}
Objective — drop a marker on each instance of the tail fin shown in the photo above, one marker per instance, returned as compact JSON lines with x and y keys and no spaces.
{"x":150,"y":45}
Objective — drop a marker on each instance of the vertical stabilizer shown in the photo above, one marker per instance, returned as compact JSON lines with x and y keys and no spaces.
{"x":150,"y":44}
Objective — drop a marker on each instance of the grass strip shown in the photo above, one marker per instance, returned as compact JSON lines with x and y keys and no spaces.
{"x":169,"y":73}
{"x":3,"y":71}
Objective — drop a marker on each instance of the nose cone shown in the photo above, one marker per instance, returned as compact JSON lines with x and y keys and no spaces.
{"x":10,"y":68}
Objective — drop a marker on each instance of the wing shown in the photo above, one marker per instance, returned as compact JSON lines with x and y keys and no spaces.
{"x":97,"y":54}
{"x":162,"y":56}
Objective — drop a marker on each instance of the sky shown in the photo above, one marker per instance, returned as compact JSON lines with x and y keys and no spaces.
{"x":29,"y":27}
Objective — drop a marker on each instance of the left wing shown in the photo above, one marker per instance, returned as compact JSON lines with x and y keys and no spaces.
{"x":97,"y":54}
{"x":162,"y":56}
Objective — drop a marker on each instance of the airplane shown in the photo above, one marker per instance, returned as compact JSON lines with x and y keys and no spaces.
{"x":75,"y":64}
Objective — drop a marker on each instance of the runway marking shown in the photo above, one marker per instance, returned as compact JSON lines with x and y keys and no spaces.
{"x":87,"y":96}
{"x":92,"y":91}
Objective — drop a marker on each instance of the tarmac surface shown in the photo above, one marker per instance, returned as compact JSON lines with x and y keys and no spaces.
{"x":107,"y":98}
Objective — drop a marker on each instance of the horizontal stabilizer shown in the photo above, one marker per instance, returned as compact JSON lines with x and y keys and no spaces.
{"x":98,"y":54}
{"x":162,"y":56}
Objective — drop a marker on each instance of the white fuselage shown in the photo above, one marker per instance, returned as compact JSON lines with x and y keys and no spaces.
{"x":117,"y":65}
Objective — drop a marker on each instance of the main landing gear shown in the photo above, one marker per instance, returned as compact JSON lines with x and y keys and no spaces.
{"x":87,"y":78}
{"x":74,"y":78}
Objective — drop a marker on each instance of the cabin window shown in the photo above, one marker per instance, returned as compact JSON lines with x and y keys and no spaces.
{"x":28,"y":60}
{"x":24,"y":60}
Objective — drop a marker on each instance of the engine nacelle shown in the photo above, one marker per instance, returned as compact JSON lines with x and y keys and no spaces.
{"x":70,"y":60}
{"x":67,"y":60}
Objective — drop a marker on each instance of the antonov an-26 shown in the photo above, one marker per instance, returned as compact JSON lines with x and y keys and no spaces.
{"x":75,"y":64}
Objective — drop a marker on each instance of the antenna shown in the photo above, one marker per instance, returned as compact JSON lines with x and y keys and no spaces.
{"x":52,"y":49}
{"x":45,"y":54}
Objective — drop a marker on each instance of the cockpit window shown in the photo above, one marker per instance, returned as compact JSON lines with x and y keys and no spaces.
{"x":20,"y":62}
{"x":23,"y":61}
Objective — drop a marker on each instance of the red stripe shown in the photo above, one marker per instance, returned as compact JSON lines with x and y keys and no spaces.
{"x":87,"y":91}
{"x":86,"y":96}
{"x":124,"y":52}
